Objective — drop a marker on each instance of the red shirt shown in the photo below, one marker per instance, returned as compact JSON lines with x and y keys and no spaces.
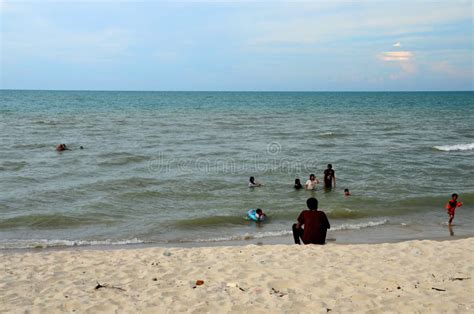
{"x":315,"y":226}
{"x":452,"y":205}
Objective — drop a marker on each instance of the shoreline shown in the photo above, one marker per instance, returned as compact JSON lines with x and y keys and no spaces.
{"x":269,"y":241}
{"x":389,"y":231}
{"x":409,"y":276}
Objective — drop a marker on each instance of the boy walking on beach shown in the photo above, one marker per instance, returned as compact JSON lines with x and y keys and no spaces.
{"x":451,"y":207}
{"x":315,"y":224}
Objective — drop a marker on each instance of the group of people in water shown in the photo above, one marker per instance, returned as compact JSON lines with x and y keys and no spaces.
{"x":312,"y":224}
{"x":314,"y":221}
{"x":311,"y":183}
{"x":329,"y":176}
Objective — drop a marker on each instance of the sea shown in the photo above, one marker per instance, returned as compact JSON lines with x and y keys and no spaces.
{"x":172,"y":168}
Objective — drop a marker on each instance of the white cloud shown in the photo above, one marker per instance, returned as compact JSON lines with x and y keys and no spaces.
{"x":403,"y":60}
{"x":396,"y":56}
{"x":304,"y":24}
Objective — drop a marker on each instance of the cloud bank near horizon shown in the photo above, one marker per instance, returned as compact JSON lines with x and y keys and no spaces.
{"x":219,"y":45}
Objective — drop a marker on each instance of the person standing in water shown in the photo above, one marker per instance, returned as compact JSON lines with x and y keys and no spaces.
{"x":311,"y":182}
{"x":298,"y":184}
{"x":451,"y":207}
{"x":329,"y":177}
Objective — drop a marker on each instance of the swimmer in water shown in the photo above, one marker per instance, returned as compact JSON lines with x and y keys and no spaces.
{"x":260,"y":214}
{"x":347,"y":193}
{"x":61,"y":147}
{"x":253,"y":183}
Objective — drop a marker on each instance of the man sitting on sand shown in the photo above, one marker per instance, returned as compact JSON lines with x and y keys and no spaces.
{"x":315,"y":225}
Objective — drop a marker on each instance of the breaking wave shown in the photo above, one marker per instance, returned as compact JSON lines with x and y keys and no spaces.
{"x":460,"y":147}
{"x":348,"y":226}
{"x":42,"y":243}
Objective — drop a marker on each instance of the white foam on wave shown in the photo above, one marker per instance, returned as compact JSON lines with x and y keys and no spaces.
{"x":360,"y":225}
{"x":247,"y":236}
{"x":448,"y":148}
{"x":42,"y":243}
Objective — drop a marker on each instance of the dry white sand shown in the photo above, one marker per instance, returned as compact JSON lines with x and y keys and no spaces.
{"x":396,"y":277}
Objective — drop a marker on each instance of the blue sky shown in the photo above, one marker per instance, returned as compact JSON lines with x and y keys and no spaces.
{"x":237,"y":45}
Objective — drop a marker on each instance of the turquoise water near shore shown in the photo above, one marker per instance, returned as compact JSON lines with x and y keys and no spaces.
{"x":172,"y":167}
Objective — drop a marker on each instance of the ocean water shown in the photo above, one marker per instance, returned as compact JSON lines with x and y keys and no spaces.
{"x":171,"y":168}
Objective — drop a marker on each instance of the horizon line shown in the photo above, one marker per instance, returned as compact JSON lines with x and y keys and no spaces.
{"x":237,"y":91}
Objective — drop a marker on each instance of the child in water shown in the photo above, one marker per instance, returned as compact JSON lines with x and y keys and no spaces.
{"x":298,"y":185}
{"x":451,"y":207}
{"x":260,"y":214}
{"x":347,"y":193}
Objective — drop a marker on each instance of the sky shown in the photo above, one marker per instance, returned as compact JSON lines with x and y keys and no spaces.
{"x":237,"y":45}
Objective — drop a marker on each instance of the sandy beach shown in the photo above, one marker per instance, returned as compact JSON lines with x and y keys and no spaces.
{"x":413,"y":276}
